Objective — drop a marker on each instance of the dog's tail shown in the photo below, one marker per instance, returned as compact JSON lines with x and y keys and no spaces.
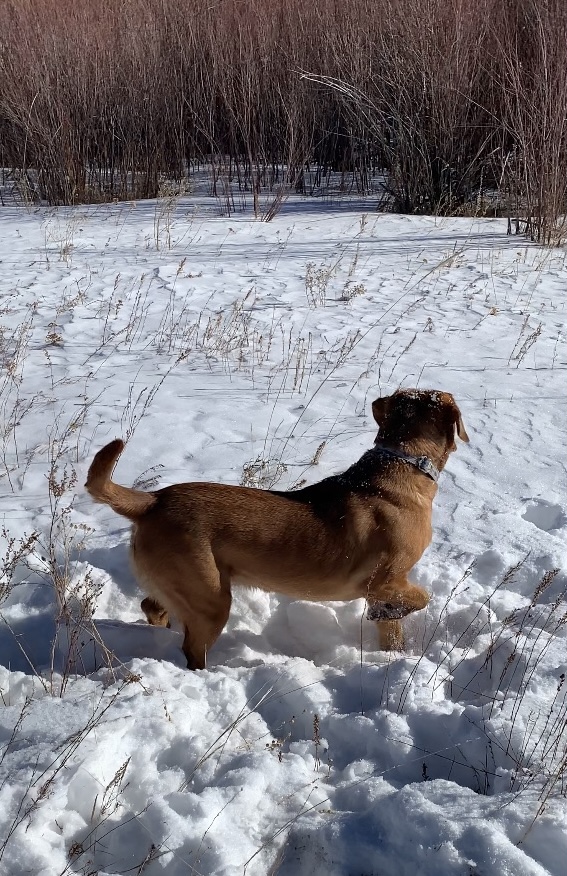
{"x":124,"y":500}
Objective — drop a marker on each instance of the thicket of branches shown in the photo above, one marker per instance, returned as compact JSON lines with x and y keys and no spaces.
{"x":443,"y":100}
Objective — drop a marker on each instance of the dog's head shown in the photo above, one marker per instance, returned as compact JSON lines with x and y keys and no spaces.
{"x":414,"y":414}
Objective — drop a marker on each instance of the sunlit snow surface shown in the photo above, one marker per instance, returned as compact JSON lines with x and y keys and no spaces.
{"x":240,"y":351}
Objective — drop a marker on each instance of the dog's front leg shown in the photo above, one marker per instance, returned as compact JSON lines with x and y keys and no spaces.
{"x":390,"y":635}
{"x":390,"y":602}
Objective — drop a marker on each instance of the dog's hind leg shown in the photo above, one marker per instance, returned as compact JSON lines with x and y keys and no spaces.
{"x":198,"y":594}
{"x":203,"y":626}
{"x":155,"y":613}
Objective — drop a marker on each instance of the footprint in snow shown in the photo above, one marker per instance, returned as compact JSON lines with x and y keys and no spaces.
{"x":545,"y":515}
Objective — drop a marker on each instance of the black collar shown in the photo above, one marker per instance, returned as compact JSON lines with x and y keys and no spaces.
{"x":423,"y":463}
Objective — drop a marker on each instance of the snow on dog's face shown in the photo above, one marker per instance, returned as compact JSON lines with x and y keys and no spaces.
{"x":409,"y":414}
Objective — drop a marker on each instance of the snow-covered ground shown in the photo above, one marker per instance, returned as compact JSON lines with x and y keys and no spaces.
{"x":240,"y":351}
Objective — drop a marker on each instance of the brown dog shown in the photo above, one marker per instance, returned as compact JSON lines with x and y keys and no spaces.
{"x":351,"y":536}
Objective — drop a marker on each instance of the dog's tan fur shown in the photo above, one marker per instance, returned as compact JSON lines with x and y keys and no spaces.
{"x":351,"y":536}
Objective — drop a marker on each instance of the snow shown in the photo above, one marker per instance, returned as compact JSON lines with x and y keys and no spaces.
{"x":224,"y":348}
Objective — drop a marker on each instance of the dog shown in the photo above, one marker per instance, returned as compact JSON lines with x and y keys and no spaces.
{"x":353,"y":535}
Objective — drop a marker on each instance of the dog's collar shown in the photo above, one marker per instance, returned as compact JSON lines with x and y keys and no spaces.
{"x":423,"y":463}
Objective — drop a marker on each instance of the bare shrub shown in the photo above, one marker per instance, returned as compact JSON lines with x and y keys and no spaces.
{"x":532,"y":45}
{"x":444,"y":106}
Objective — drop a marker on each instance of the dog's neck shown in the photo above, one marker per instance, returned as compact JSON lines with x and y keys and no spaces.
{"x":423,"y":455}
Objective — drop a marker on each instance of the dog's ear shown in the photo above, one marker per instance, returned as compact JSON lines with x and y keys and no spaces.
{"x":461,"y":431}
{"x":380,"y":409}
{"x":455,"y":416}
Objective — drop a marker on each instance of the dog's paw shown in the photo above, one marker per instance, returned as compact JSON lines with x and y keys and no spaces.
{"x":156,"y":614}
{"x":381,"y":611}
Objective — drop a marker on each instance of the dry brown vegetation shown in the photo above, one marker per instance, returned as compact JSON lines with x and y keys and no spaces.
{"x":443,"y":105}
